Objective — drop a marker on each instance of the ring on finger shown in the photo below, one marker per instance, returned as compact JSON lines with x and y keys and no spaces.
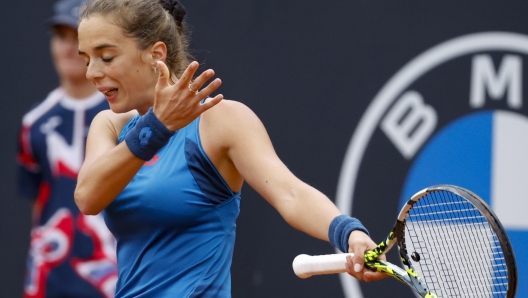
{"x":190,"y":88}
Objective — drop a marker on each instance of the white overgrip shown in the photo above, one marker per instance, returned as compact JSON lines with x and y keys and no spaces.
{"x":305,"y":266}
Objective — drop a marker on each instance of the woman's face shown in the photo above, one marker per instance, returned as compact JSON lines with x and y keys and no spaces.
{"x":122,"y":72}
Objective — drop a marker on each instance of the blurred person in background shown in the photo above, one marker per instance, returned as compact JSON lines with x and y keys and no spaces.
{"x":70,"y":254}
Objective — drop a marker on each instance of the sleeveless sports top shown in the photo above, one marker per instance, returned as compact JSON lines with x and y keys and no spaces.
{"x":175,"y":223}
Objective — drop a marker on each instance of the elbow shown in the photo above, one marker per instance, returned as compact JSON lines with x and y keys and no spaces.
{"x":83,"y":203}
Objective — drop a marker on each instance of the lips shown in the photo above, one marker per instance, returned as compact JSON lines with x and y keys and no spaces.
{"x":109,"y":93}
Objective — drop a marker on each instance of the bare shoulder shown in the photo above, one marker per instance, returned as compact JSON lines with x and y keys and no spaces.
{"x":231,"y":113}
{"x":111,"y":121}
{"x":229,"y":122}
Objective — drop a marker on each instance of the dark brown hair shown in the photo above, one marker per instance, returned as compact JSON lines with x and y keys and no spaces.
{"x":147,"y":22}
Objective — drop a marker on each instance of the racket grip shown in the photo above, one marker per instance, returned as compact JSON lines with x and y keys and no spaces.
{"x":305,"y":266}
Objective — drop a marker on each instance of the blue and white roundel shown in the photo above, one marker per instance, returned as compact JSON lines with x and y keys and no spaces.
{"x":455,"y":114}
{"x":487,"y":153}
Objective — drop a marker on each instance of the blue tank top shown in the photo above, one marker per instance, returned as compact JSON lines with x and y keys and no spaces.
{"x":175,"y":224}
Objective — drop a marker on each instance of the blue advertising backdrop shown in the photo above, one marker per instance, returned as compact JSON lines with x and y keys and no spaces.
{"x":368,"y":101}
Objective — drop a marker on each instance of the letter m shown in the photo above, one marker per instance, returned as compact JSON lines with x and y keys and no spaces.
{"x":507,"y":78}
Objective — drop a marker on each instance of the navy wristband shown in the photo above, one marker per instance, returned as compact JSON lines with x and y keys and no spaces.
{"x":340,"y":229}
{"x":148,"y":136}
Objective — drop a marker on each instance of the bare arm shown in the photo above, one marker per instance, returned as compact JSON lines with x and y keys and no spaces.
{"x":250,"y":150}
{"x":107,"y":167}
{"x":302,"y":206}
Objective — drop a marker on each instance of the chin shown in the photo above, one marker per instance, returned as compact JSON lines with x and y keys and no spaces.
{"x":118,"y":109}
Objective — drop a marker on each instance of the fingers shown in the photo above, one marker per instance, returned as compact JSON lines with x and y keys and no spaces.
{"x":163,"y":78}
{"x":176,"y":104}
{"x":198,"y":83}
{"x":186,"y":85}
{"x":211,"y":103}
{"x":359,"y":258}
{"x":365,"y":274}
{"x":358,"y":243}
{"x":200,"y":80}
{"x":373,"y":276}
{"x":195,"y":86}
{"x":205,"y":92}
{"x":350,"y":268}
{"x":188,"y":74}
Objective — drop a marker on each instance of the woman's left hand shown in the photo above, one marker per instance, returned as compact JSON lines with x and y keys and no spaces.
{"x":359,"y":243}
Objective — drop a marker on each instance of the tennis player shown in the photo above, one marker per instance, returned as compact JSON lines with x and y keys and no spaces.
{"x":166,"y":164}
{"x":70,"y":254}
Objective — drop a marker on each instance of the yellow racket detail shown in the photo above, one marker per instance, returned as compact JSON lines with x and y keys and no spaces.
{"x":409,"y":276}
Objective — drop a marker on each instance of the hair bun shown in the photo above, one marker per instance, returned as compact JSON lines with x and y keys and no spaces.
{"x":175,"y":8}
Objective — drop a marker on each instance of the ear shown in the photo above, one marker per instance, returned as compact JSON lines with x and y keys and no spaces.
{"x":157,"y":52}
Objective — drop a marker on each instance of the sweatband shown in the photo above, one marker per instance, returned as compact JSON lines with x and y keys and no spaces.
{"x":148,"y":136}
{"x":340,"y":229}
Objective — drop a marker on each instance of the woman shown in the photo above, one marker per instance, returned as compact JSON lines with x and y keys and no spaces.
{"x":167,"y":166}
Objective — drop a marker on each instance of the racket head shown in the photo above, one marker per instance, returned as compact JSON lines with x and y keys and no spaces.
{"x":455,"y":243}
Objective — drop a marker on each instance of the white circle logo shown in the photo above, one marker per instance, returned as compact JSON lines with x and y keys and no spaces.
{"x":455,"y":114}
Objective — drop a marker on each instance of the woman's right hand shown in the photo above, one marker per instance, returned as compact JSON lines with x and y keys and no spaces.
{"x":178,"y":105}
{"x":359,"y":243}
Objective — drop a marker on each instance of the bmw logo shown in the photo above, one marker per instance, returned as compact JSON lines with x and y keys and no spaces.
{"x":455,"y":114}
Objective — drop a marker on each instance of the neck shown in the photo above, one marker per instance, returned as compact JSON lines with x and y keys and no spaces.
{"x":81,"y":88}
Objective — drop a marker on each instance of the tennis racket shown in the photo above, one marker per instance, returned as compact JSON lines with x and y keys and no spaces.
{"x":451,"y":243}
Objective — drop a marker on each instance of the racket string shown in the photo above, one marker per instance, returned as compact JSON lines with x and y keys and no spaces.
{"x":452,"y":283}
{"x":459,"y":250}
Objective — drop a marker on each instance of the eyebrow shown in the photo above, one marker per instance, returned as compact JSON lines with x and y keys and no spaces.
{"x":100,"y":47}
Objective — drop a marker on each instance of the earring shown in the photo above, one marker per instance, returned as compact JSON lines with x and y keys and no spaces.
{"x":155,"y":68}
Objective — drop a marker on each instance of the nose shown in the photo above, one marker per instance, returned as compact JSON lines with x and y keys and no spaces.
{"x":93,"y":72}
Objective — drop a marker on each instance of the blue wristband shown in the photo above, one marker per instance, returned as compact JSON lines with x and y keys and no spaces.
{"x":340,"y":229}
{"x":148,"y":136}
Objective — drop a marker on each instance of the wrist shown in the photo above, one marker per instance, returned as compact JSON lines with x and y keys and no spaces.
{"x":148,"y":136}
{"x":340,"y":229}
